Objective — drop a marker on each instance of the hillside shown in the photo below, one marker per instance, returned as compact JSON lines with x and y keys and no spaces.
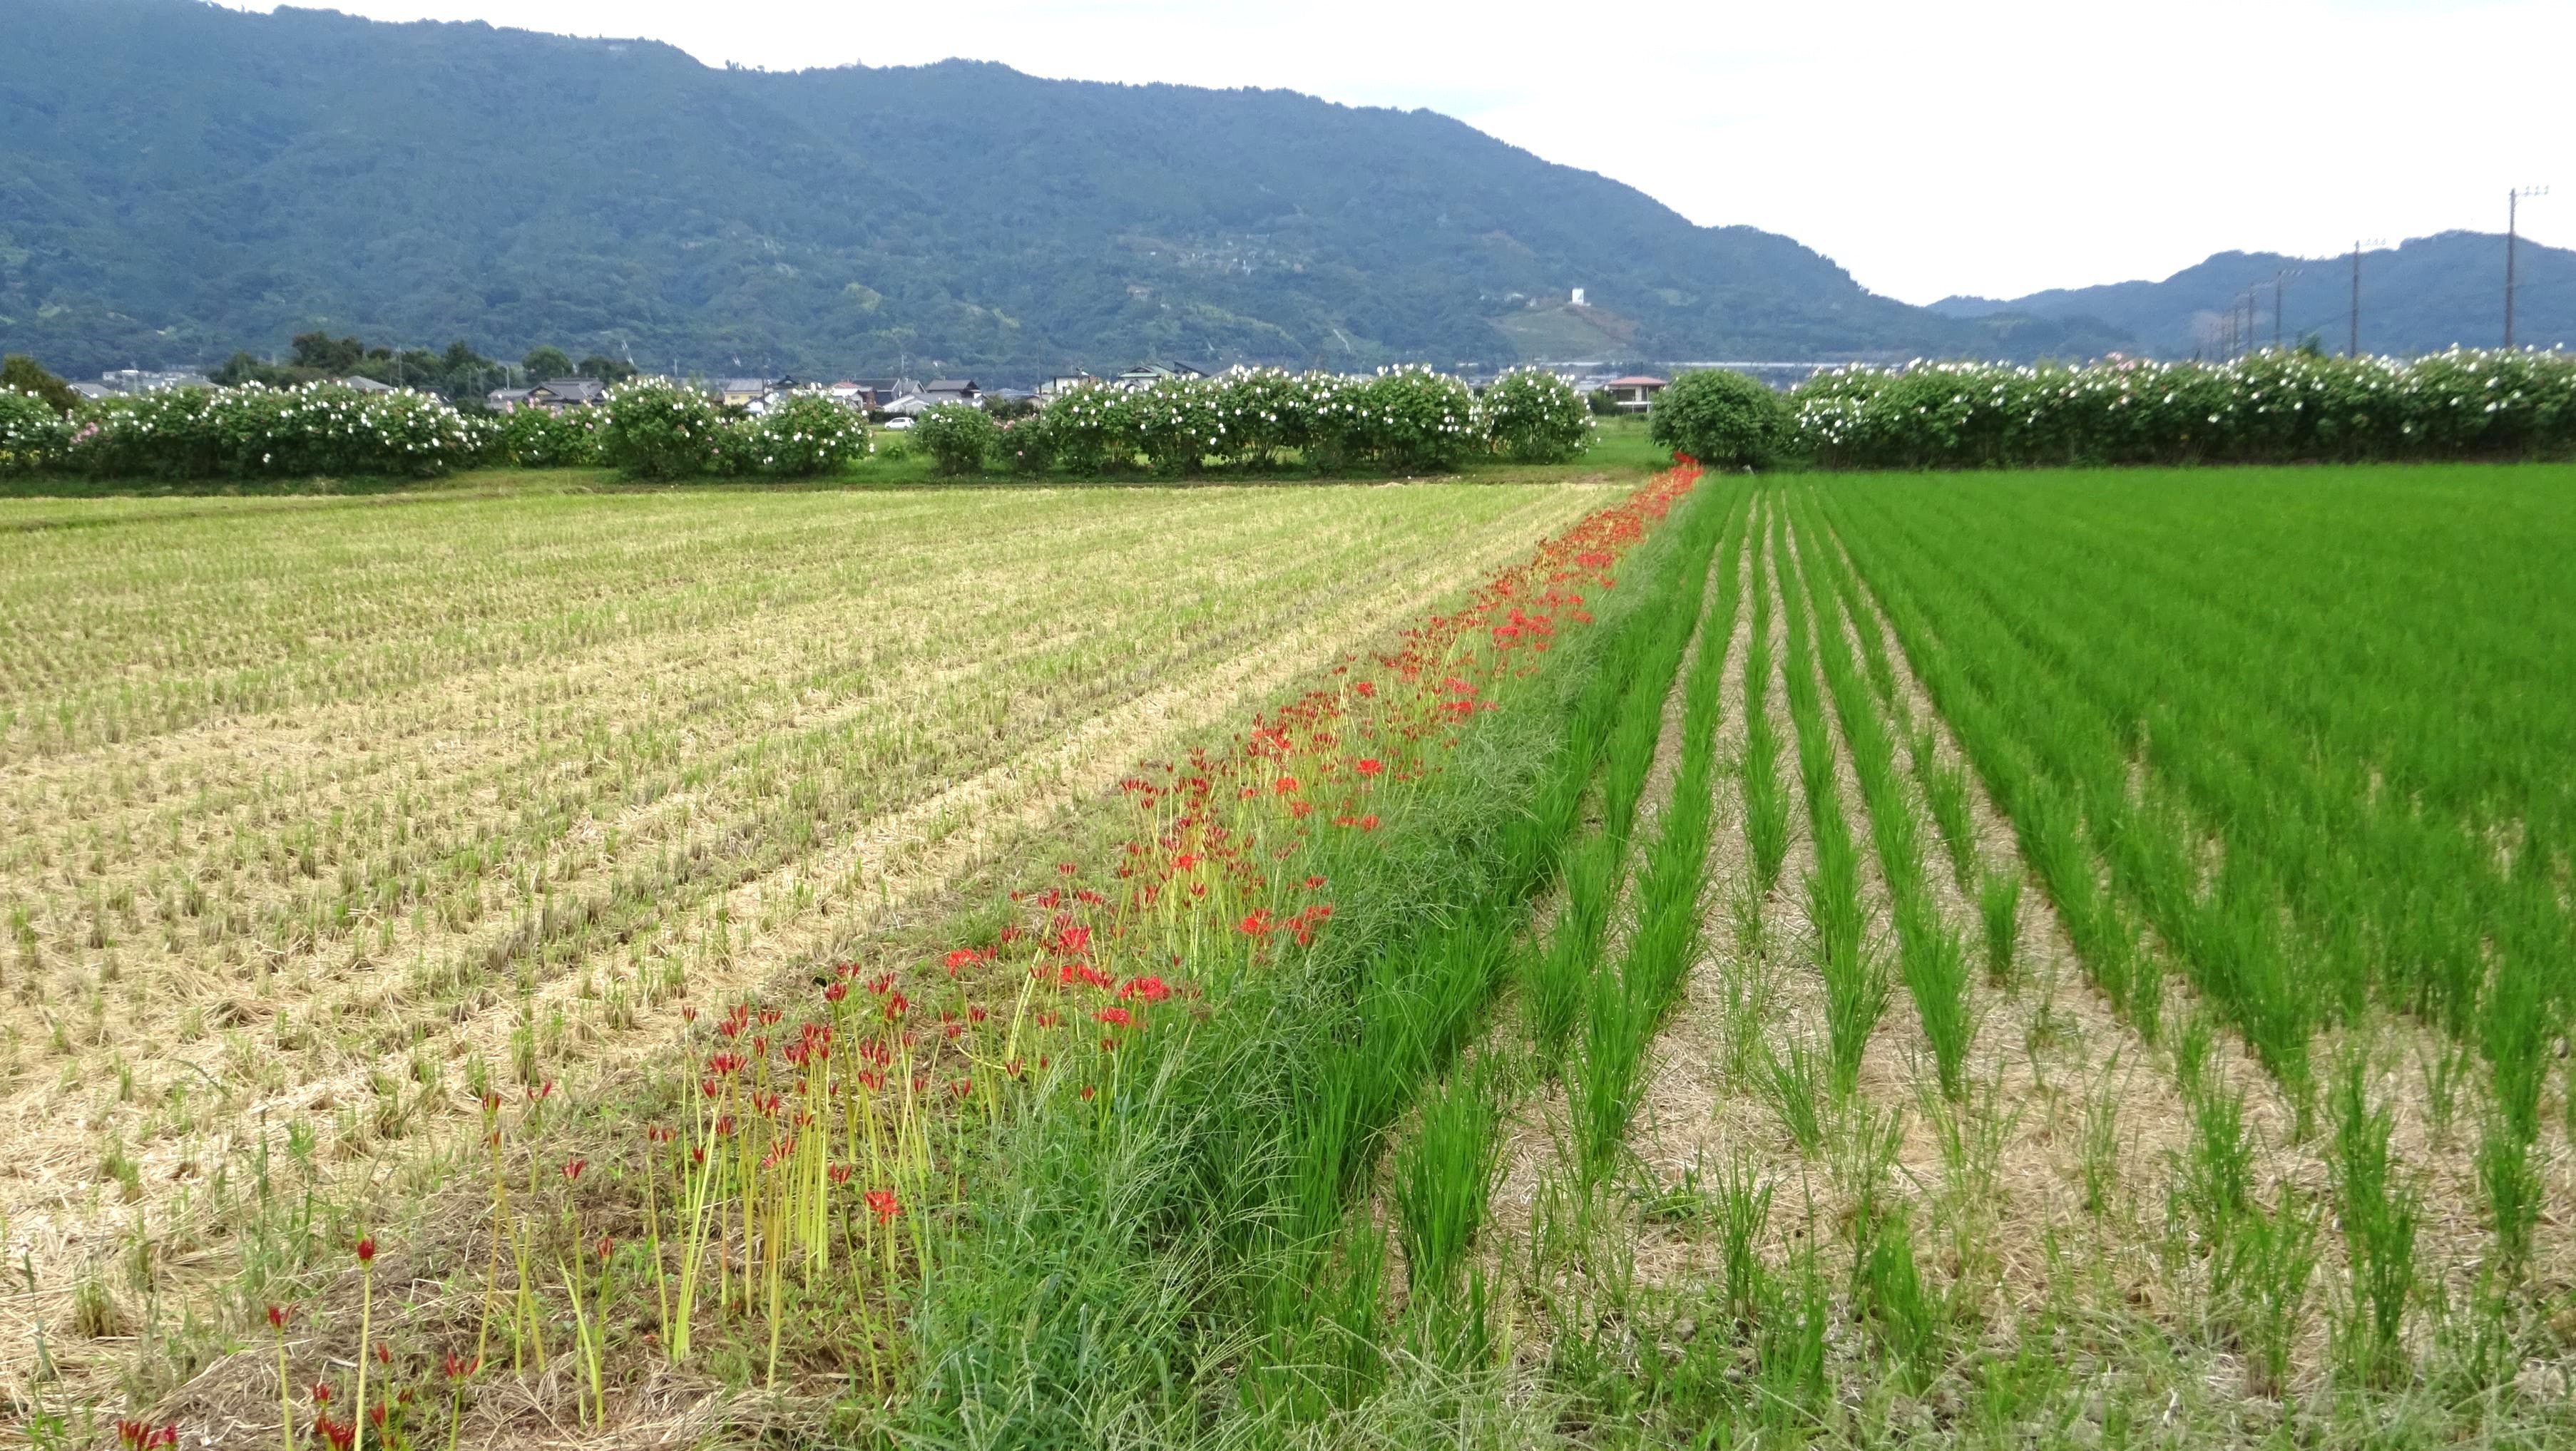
{"x":184,"y":180}
{"x":2418,"y":297}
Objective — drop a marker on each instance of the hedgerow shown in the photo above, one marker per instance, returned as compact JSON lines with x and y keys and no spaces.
{"x":2271,"y":407}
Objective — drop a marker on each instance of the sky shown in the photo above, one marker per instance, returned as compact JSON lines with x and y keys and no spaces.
{"x":1992,"y":148}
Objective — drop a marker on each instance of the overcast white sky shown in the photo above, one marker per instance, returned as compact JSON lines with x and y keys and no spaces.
{"x":1996,"y":147}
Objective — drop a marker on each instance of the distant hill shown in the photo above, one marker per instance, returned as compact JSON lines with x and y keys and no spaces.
{"x":183,"y":180}
{"x":2418,"y":297}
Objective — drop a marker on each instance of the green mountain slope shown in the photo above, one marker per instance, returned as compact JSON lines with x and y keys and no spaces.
{"x":2418,"y":297}
{"x":181,"y":180}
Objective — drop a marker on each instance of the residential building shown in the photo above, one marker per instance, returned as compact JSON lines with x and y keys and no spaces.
{"x":1634,"y":393}
{"x":363,"y":384}
{"x":1059,"y":384}
{"x":953,"y":390}
{"x":1145,"y":373}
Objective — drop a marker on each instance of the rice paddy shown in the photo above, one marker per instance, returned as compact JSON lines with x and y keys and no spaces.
{"x":2058,"y":959}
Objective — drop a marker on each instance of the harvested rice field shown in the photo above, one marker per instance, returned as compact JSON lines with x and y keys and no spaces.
{"x":2069,"y":959}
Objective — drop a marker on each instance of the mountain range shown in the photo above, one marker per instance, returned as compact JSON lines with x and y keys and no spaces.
{"x":2419,"y":297}
{"x":179,"y":180}
{"x":182,"y":180}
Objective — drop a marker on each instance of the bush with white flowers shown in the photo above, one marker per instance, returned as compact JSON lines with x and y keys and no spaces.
{"x":2269,"y":407}
{"x":535,"y":438}
{"x":256,"y":432}
{"x":31,"y":432}
{"x":658,"y":429}
{"x":1535,"y":416}
{"x":802,"y":435}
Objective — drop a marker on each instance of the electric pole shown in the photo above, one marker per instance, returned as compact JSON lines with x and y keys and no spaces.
{"x":2278,"y":280}
{"x":2512,"y":203}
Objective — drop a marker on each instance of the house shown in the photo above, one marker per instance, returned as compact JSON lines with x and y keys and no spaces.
{"x":1634,"y":393}
{"x":502,"y":400}
{"x":1145,"y":373}
{"x":1059,"y":384}
{"x":750,"y":393}
{"x":850,"y":393}
{"x":556,"y":394}
{"x":146,"y":380}
{"x":953,"y":390}
{"x":360,"y":382}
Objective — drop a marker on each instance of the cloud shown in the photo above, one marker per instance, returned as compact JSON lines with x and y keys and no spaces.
{"x":1995,"y":148}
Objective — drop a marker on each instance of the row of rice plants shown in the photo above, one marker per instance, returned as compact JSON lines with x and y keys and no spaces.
{"x":2057,"y":671}
{"x":1855,"y":977}
{"x":1627,"y":1001}
{"x":1930,"y":958}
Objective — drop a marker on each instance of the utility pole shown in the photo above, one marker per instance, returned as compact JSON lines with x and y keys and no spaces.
{"x":2512,"y":204}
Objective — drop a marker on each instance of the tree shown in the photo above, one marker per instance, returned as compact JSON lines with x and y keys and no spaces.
{"x":956,"y":436}
{"x":323,"y":354}
{"x":546,"y":361}
{"x":1722,"y":418}
{"x":29,"y":376}
{"x":606,"y":369}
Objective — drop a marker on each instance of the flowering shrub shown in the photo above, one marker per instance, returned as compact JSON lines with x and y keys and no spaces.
{"x":31,"y":432}
{"x":1178,"y":422}
{"x":1094,"y":429}
{"x":1410,"y":419}
{"x":256,"y":432}
{"x":956,"y":435}
{"x":1030,"y":442}
{"x":802,"y":435}
{"x":657,"y":429}
{"x":2271,"y":406}
{"x":1720,"y":417}
{"x":532,"y":438}
{"x":1536,"y":417}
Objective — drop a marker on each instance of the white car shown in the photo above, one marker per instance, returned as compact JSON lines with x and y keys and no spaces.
{"x":897,"y":424}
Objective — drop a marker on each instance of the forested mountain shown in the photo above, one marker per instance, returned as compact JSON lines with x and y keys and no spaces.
{"x":182,"y":180}
{"x":2418,"y":297}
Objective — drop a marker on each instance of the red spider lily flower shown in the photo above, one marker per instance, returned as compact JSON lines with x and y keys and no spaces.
{"x":1284,"y":785}
{"x":1314,"y":883}
{"x":277,"y":1317}
{"x":688,"y":1012}
{"x":960,"y":958}
{"x":1115,"y":1017}
{"x":1067,"y":868}
{"x":1369,"y":766}
{"x":1148,"y":988}
{"x":1047,"y":1019}
{"x":341,"y":1434}
{"x":321,"y":1393}
{"x":1301,"y":809}
{"x":605,"y":1245}
{"x":457,"y":1367}
{"x":895,"y":1005}
{"x":367,"y":1250}
{"x":1369,"y":822}
{"x":965,"y":1087}
{"x":883,"y":1204}
{"x":835,"y":992}
{"x":384,"y":1353}
{"x":975,"y":1013}
{"x":1184,"y":861}
{"x":1256,"y":923}
{"x":572,"y":1170}
{"x":1073,"y":940}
